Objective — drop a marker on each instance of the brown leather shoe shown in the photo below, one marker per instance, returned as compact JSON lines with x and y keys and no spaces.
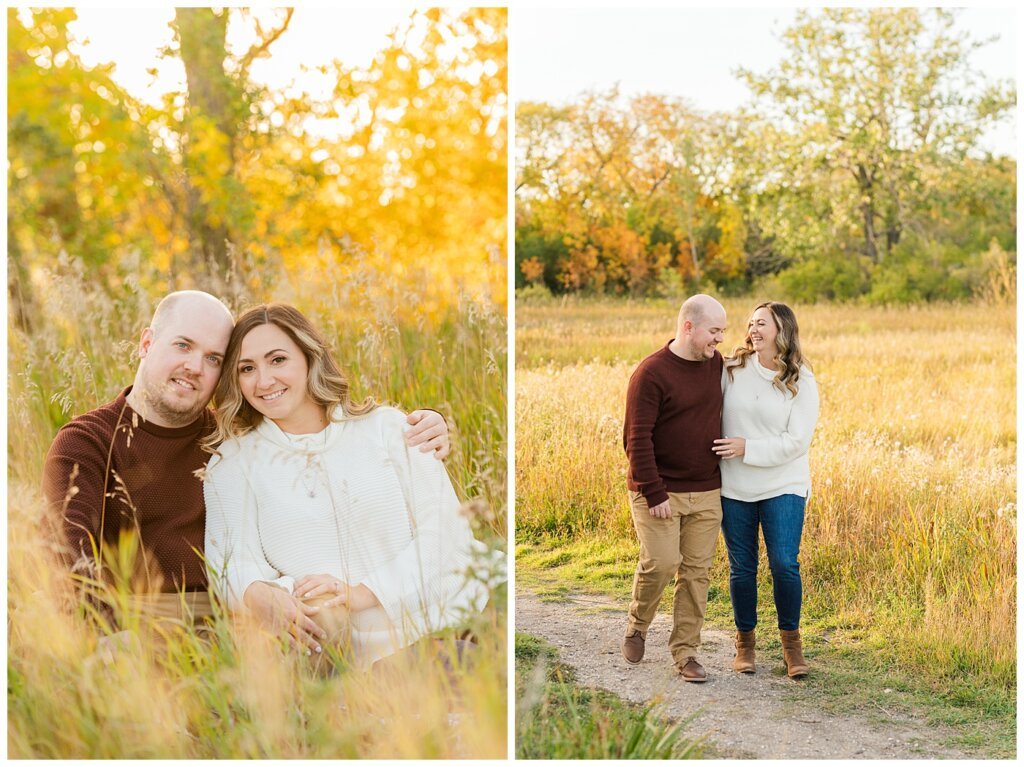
{"x":633,"y":647}
{"x":692,"y":671}
{"x":744,"y":660}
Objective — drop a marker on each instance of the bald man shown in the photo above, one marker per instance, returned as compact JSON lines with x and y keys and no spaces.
{"x":673,"y":416}
{"x":134,"y":464}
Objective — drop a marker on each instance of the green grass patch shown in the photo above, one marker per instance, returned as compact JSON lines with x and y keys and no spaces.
{"x":602,"y":565}
{"x":850,"y":678}
{"x":556,"y":719}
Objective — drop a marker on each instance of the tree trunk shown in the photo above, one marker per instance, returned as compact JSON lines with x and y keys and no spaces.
{"x":893,"y":227}
{"x":688,"y":196}
{"x":867,"y":208}
{"x":870,"y":238}
{"x":212,"y":99}
{"x":892,"y":237}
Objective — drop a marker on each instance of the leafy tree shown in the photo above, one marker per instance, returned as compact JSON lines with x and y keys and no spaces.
{"x":79,"y":164}
{"x":232,"y":186}
{"x":631,"y":186}
{"x":870,"y":100}
{"x":423,"y":173}
{"x":854,"y":174}
{"x":213,"y":195}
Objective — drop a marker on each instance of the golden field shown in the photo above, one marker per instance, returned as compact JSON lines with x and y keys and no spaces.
{"x":909,"y":541}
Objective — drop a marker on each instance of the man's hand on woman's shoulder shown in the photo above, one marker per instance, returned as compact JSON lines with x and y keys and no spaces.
{"x":429,"y":432}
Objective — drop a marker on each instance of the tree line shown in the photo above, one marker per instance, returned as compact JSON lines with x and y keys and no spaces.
{"x":854,"y":172}
{"x":228,"y":184}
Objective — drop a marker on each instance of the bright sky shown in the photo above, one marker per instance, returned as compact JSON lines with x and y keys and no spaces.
{"x":692,"y":52}
{"x":555,"y":53}
{"x":131,"y":39}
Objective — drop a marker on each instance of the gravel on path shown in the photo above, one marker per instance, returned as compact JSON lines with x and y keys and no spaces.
{"x":757,"y":715}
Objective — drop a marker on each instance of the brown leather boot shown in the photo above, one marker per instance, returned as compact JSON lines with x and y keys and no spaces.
{"x":744,"y":660}
{"x":793,"y":654}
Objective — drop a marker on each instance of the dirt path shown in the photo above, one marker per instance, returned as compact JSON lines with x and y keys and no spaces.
{"x":763,"y":715}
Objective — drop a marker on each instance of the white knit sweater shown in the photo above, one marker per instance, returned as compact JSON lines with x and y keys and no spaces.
{"x":777,"y":428}
{"x":350,"y":501}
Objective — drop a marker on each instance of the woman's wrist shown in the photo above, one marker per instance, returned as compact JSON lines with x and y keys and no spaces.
{"x":255,"y":590}
{"x":361,"y":598}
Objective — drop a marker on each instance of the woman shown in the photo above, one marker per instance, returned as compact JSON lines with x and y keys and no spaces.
{"x":319,"y":519}
{"x":771,"y":398}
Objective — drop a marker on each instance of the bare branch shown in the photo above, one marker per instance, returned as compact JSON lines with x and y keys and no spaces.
{"x":264,"y":41}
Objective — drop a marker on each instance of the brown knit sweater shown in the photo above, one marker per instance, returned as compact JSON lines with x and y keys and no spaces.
{"x":108,"y":471}
{"x":673,"y":416}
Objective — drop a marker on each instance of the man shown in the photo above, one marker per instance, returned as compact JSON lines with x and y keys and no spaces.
{"x":135,"y":464}
{"x":673,"y":416}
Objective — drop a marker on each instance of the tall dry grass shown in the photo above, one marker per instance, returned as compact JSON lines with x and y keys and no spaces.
{"x":909,"y":542}
{"x":228,"y":694}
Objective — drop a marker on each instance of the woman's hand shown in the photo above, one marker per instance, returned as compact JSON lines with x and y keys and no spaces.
{"x":355,"y":598}
{"x":278,"y":609}
{"x":730,"y":447}
{"x":430,"y":432}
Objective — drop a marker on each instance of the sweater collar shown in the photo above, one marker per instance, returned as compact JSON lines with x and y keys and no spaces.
{"x":683,"y":361}
{"x":765,"y":373}
{"x":316,"y":442}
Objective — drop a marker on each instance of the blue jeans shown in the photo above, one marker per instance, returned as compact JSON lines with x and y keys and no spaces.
{"x":782,"y":521}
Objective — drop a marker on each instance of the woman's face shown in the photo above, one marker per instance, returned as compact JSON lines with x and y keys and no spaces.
{"x":272,"y":373}
{"x":762,"y":331}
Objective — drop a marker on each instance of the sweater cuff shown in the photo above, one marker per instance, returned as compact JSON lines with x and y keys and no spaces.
{"x":285,"y":582}
{"x":390,"y":602}
{"x":655,"y":497}
{"x":755,"y":453}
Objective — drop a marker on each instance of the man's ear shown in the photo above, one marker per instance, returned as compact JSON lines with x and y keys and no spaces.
{"x":145,"y":341}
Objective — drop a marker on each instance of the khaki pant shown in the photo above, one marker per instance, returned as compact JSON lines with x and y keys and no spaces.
{"x":161,"y":615}
{"x":684,"y":546}
{"x":191,"y":607}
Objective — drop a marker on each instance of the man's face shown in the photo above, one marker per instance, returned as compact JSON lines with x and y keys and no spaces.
{"x":181,"y":362}
{"x":705,"y":335}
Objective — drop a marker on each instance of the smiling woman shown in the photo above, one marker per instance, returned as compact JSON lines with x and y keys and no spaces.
{"x":309,"y":495}
{"x":274,"y":350}
{"x":272,"y":376}
{"x":771,"y":399}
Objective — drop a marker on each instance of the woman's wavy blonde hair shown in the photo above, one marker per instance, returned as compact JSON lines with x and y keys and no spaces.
{"x":787,"y":346}
{"x":325,"y":383}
